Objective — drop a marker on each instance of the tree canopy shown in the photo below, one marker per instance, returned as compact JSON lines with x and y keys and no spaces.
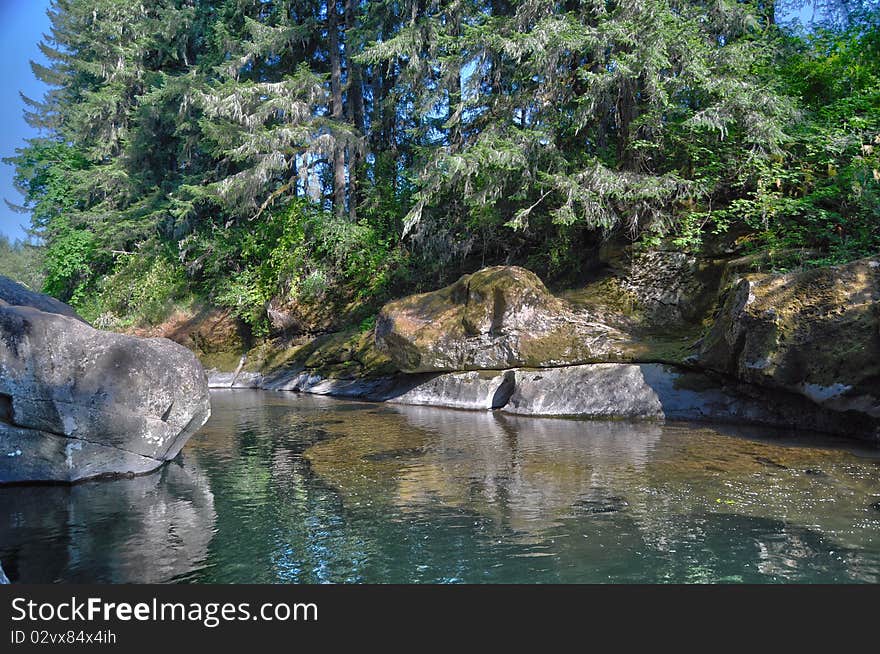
{"x":245,"y":150}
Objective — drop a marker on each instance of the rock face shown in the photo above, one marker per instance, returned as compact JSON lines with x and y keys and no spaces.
{"x":599,"y":391}
{"x":462,"y":390}
{"x":76,"y":402}
{"x":799,"y":350}
{"x":815,"y":333}
{"x":673,"y":287}
{"x":655,"y":391}
{"x":604,"y":390}
{"x":496,"y":318}
{"x":15,"y":294}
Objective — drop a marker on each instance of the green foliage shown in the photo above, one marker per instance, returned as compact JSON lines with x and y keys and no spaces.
{"x":822,"y":192}
{"x":330,"y":155}
{"x":367,"y":324}
{"x":69,"y":258}
{"x":301,"y":254}
{"x":139,"y":290}
{"x":22,"y":262}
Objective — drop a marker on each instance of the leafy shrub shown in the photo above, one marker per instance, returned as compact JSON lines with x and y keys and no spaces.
{"x":68,"y":263}
{"x":140,"y":289}
{"x":301,"y":254}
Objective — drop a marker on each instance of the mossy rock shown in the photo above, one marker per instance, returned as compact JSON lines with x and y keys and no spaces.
{"x":496,"y":318}
{"x":215,"y":335}
{"x":347,"y":354}
{"x":815,"y":332}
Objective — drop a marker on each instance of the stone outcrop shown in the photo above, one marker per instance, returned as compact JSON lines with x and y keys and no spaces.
{"x":500,"y":317}
{"x":594,"y":391}
{"x":76,"y":402}
{"x":672,"y":288}
{"x":815,"y":333}
{"x":799,"y":350}
{"x":661,"y":392}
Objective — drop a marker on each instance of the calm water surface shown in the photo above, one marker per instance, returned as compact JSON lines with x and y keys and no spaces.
{"x":280,"y":487}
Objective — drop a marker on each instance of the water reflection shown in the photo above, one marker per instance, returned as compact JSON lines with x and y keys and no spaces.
{"x":525,"y":473}
{"x":285,"y":488}
{"x":147,"y":529}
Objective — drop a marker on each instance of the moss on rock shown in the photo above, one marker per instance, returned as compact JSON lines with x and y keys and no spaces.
{"x":499,"y":317}
{"x":816,"y":332}
{"x":344,"y":355}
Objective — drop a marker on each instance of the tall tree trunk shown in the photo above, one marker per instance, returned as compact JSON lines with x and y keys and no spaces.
{"x":769,"y":9}
{"x":355,"y":76}
{"x":627,"y":111}
{"x":498,"y":8}
{"x":336,"y":106}
{"x":455,"y":135}
{"x":355,"y":106}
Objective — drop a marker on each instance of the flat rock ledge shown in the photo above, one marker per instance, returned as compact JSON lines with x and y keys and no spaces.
{"x":645,"y":391}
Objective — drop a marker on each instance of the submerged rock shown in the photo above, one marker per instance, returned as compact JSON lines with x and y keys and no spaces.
{"x":815,"y":333}
{"x":496,"y":318}
{"x":76,"y":402}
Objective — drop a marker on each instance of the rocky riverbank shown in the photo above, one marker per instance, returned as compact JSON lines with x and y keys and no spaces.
{"x":798,"y":350}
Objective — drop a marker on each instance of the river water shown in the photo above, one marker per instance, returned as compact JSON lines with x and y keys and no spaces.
{"x":287,"y":488}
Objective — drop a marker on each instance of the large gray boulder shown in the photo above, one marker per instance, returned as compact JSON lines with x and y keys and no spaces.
{"x":76,"y":402}
{"x":603,"y":390}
